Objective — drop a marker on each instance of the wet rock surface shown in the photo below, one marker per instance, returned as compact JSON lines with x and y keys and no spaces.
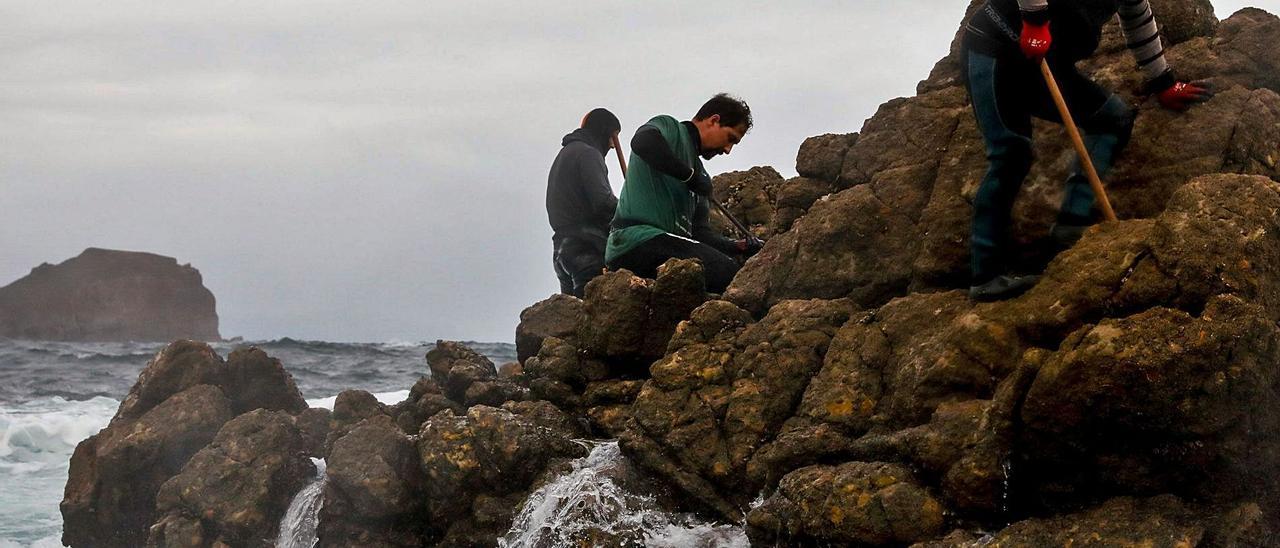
{"x":859,"y":503}
{"x":372,"y":496}
{"x":489,"y":452}
{"x":726,"y":388}
{"x":624,"y":324}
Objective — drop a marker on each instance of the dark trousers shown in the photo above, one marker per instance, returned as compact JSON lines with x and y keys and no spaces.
{"x":1006,"y":93}
{"x":645,"y":259}
{"x":576,"y":261}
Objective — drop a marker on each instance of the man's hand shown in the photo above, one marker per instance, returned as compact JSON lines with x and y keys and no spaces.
{"x":749,"y":246}
{"x":1035,"y":40}
{"x":699,"y":183}
{"x":1181,"y":95}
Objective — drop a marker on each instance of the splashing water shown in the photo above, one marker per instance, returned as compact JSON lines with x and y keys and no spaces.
{"x":594,"y":505}
{"x":298,"y":526}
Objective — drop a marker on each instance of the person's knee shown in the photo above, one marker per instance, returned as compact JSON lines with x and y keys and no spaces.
{"x":1011,"y":160}
{"x":582,"y":277}
{"x":1115,"y":118}
{"x":719,"y":272}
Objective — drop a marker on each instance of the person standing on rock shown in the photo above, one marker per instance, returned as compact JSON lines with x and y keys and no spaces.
{"x":664,"y":209}
{"x":1007,"y":89}
{"x":580,"y":202}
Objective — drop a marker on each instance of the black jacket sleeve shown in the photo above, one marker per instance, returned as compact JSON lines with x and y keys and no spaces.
{"x":703,"y":232}
{"x":594,"y":176}
{"x":649,"y":145}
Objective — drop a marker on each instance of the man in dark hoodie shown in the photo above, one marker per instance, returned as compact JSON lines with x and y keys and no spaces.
{"x":664,"y":208}
{"x":580,"y":202}
{"x":1004,"y":43}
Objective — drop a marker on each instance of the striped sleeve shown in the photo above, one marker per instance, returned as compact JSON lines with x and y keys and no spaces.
{"x":1143,"y":38}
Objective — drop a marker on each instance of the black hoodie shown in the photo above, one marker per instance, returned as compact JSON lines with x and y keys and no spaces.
{"x":580,"y":202}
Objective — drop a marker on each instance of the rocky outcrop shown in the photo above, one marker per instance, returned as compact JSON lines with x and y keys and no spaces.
{"x":900,"y":219}
{"x":469,"y":378}
{"x":106,"y":295}
{"x":1118,"y":374}
{"x":115,"y":474}
{"x":179,"y":403}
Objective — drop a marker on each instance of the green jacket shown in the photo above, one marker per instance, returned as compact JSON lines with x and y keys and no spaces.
{"x":652,"y":203}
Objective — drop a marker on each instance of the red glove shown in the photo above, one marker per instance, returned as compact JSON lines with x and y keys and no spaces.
{"x":1181,"y":95}
{"x":1035,"y":40}
{"x":749,"y":246}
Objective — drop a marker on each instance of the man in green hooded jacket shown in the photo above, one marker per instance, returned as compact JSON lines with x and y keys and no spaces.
{"x":663,"y":211}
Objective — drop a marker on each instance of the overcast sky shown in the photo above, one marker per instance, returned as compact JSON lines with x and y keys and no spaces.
{"x":376,"y":171}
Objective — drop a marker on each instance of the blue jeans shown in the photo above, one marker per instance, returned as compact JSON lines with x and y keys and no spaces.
{"x":1006,"y":94}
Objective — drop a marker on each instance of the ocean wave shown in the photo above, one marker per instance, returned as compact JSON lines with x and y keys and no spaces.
{"x":52,"y":541}
{"x":37,"y":438}
{"x":388,"y":398}
{"x":42,"y":433}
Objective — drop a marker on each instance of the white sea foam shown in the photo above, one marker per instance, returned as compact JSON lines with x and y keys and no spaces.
{"x":36,"y":441}
{"x":593,"y":499}
{"x":52,"y":541}
{"x":388,"y":398}
{"x":37,"y":434}
{"x":403,"y":344}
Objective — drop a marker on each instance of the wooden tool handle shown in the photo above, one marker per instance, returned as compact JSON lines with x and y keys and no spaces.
{"x":1101,"y":193}
{"x":617,"y":146}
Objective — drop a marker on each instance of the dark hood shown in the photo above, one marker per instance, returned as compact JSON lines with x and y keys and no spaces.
{"x":599,"y":142}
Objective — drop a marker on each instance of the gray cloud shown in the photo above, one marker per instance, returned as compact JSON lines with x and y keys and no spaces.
{"x":376,"y":171}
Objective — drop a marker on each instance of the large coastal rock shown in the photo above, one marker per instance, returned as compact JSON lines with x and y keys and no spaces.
{"x":372,"y":495}
{"x":1145,"y":362}
{"x":726,"y":387}
{"x":873,"y":504}
{"x":115,"y":474}
{"x":234,"y":491}
{"x":179,"y":403}
{"x":483,"y":464}
{"x":557,"y":316}
{"x":1125,"y":521}
{"x":106,"y":295}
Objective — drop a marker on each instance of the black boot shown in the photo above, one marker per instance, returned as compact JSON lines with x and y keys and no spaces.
{"x":1001,"y":287}
{"x":1066,"y":235}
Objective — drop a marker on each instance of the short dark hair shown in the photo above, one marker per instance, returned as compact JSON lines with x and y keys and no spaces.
{"x":732,"y":110}
{"x":601,"y":122}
